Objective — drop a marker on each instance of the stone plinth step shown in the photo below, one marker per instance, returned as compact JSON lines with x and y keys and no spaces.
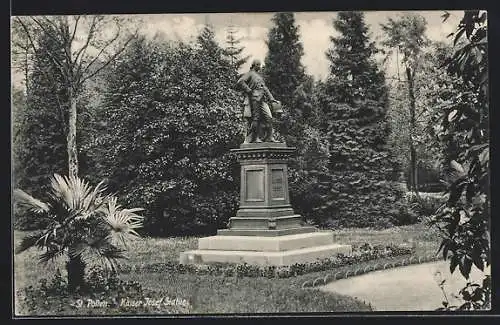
{"x":282,"y":222}
{"x":303,"y":255}
{"x":264,"y":145}
{"x":266,"y":232}
{"x":266,"y":244}
{"x":266,"y":212}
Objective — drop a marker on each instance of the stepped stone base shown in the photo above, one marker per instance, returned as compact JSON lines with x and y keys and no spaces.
{"x":267,"y":244}
{"x":265,"y":232}
{"x":262,"y":250}
{"x":263,"y":212}
{"x":281,"y":258}
{"x":265,"y":229}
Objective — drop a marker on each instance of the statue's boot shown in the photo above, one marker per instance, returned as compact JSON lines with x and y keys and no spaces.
{"x":247,"y":132}
{"x":269,"y":135}
{"x":252,"y":134}
{"x":248,"y":138}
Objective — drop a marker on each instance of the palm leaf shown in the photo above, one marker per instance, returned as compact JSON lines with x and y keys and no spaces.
{"x":52,"y":254}
{"x":85,"y":221}
{"x":74,"y":198}
{"x":123,"y":222}
{"x":73,"y":191}
{"x":100,"y":251}
{"x":77,"y":250}
{"x":110,"y":255}
{"x":26,"y":200}
{"x":95,"y":196}
{"x":29,"y":241}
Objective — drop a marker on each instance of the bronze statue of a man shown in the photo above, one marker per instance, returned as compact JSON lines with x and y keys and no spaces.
{"x":257,"y":112}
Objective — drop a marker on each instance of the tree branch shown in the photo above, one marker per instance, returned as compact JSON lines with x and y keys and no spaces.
{"x":77,"y":19}
{"x":66,"y":44}
{"x":101,"y":51}
{"x":45,"y":30}
{"x":51,"y":78}
{"x":117,"y":53}
{"x":47,"y":20}
{"x":47,"y":75}
{"x":52,"y":57}
{"x":87,"y":42}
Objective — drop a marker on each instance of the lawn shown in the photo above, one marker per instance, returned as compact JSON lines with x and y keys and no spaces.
{"x":218,"y":294}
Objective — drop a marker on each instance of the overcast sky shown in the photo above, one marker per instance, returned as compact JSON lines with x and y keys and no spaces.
{"x":315,"y":29}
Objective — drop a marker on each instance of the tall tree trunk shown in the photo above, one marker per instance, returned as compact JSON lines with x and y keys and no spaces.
{"x":72,"y":148}
{"x":413,"y":151}
{"x":71,"y":81}
{"x":76,"y":272}
{"x":26,"y":69}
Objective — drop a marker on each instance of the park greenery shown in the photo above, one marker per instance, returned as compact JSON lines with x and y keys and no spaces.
{"x":151,"y":121}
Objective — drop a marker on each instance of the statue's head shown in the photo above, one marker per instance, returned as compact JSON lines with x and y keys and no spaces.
{"x":255,"y":65}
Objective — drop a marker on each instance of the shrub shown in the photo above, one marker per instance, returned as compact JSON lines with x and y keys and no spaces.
{"x":432,"y":187}
{"x":429,"y":178}
{"x":171,"y":114}
{"x":427,"y":205}
{"x":103,"y":289}
{"x":81,"y":223}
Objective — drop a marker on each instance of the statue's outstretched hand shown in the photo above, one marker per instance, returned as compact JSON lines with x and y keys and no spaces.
{"x":277,"y":108}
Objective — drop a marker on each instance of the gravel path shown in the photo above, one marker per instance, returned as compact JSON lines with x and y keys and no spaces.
{"x":408,"y":288}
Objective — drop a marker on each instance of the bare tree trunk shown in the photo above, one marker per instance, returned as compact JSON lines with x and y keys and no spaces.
{"x":72,"y":148}
{"x":72,"y":81}
{"x":26,"y":69}
{"x":413,"y":151}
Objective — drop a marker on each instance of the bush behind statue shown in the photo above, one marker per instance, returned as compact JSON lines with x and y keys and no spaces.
{"x":171,"y":114}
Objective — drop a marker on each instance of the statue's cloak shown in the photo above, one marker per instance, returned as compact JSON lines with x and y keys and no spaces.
{"x":247,"y":111}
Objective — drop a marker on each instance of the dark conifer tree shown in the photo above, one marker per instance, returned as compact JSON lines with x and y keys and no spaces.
{"x":41,"y":144}
{"x":361,"y":187}
{"x":234,"y":50}
{"x":283,"y":71}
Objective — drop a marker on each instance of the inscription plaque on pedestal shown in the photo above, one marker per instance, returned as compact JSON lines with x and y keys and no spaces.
{"x":277,"y":188}
{"x":254,"y":184}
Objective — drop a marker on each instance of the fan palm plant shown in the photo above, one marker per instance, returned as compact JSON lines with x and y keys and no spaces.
{"x":83,"y":223}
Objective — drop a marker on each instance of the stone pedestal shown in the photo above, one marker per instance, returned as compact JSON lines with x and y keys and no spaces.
{"x":265,"y":230}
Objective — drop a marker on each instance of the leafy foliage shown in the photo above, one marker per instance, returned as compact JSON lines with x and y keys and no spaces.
{"x":431,"y":86}
{"x":81,"y":222}
{"x":407,"y":35}
{"x":101,"y":44}
{"x":427,"y":205}
{"x":39,"y":148}
{"x":465,"y":219}
{"x":475,"y":296}
{"x":465,"y":123}
{"x":104,"y":293}
{"x":169,"y":116}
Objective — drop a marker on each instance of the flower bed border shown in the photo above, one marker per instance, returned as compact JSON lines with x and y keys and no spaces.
{"x":364,"y":253}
